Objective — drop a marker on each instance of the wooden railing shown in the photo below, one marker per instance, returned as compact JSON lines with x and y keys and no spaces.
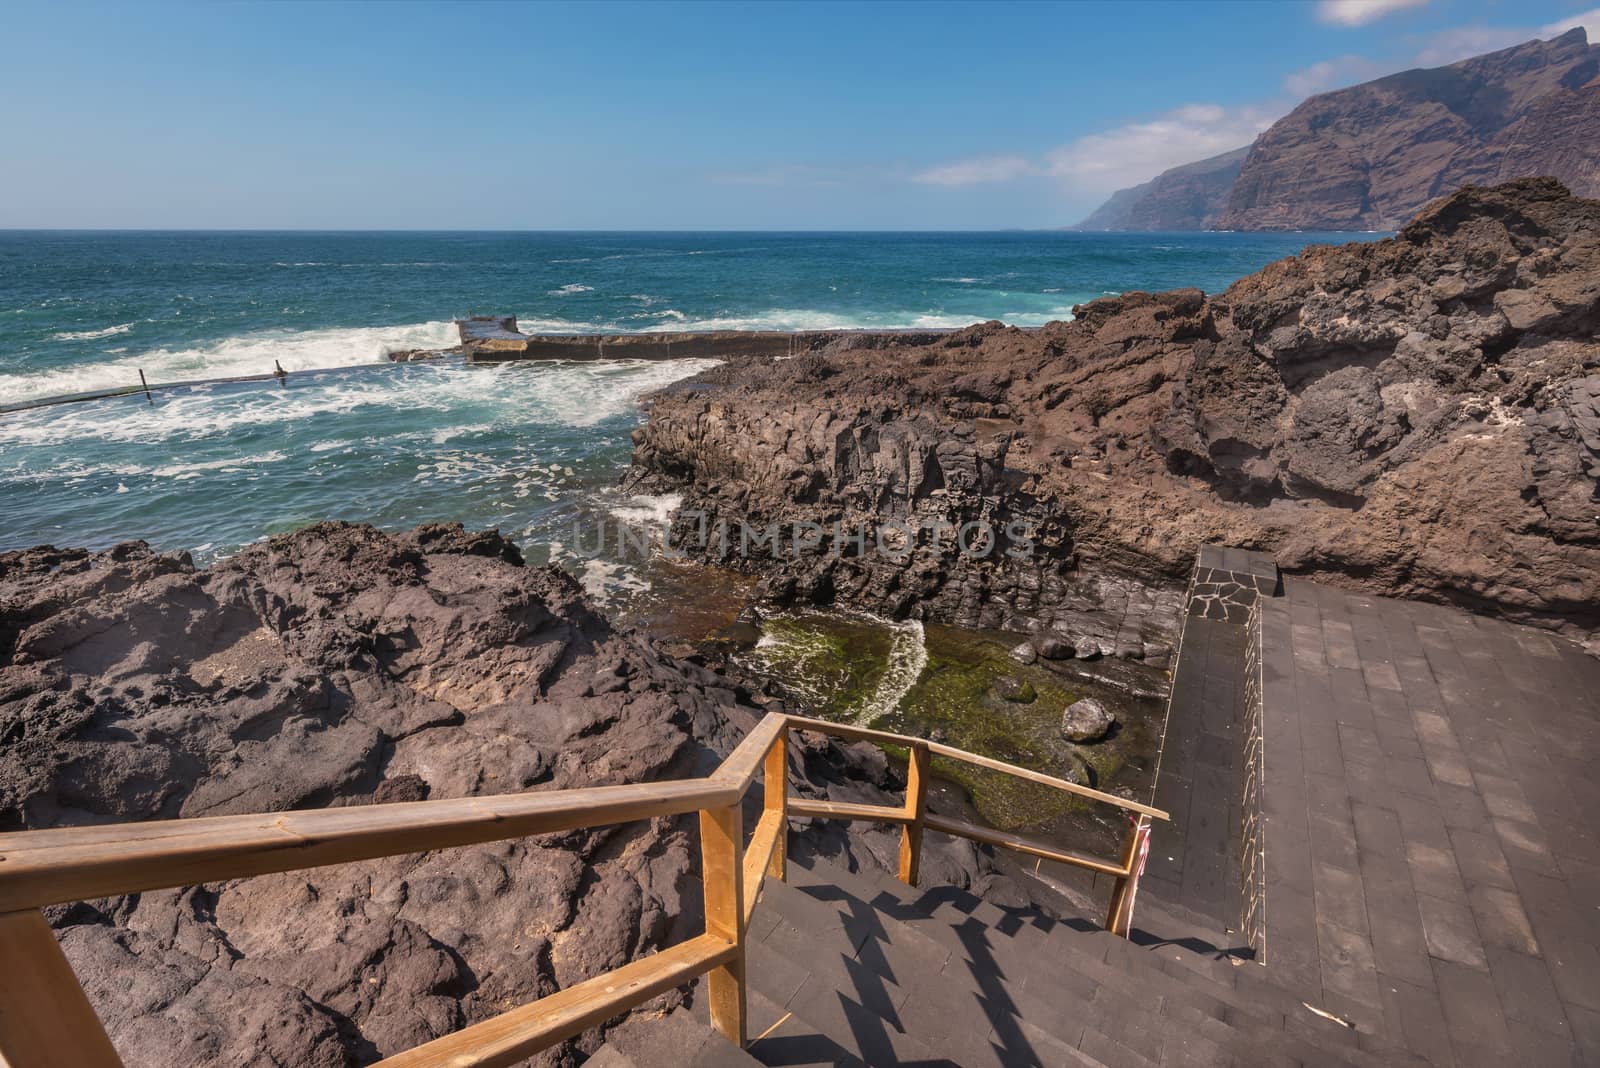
{"x":46,"y":1019}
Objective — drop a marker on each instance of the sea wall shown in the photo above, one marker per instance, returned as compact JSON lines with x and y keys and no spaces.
{"x":495,"y":339}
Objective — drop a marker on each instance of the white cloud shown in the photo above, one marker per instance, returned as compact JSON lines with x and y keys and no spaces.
{"x":1440,"y":49}
{"x":1361,"y":12}
{"x":1589,"y":20}
{"x":1334,"y":73}
{"x":977,"y":171}
{"x":1464,"y":42}
{"x":1139,"y":151}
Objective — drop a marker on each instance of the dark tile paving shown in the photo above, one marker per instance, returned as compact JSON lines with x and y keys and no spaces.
{"x":1195,"y":860}
{"x":1430,"y":783}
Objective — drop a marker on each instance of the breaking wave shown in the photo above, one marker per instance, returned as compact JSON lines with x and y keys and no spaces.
{"x":92,"y":335}
{"x":523,"y":395}
{"x":309,"y":350}
{"x":245,"y":354}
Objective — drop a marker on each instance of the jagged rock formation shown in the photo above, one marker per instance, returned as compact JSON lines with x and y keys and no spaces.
{"x":1414,"y":416}
{"x":342,"y":666}
{"x":1190,"y":197}
{"x":1368,"y":157}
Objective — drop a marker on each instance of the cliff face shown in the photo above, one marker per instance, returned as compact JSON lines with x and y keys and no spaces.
{"x":1189,"y":197}
{"x":1415,"y":416}
{"x":1368,"y":157}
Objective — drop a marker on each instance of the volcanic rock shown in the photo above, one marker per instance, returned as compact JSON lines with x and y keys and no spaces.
{"x":342,"y":666}
{"x":1017,"y":691}
{"x":1412,"y":416}
{"x":1053,"y":648}
{"x":1086,"y":721}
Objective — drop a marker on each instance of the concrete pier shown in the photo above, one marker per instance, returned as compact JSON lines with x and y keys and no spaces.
{"x":496,"y":339}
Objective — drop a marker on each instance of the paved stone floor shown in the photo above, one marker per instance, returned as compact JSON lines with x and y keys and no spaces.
{"x":1432,"y":792}
{"x":1195,"y":859}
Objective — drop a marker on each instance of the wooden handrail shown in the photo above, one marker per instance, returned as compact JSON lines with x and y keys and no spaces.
{"x":82,"y":863}
{"x":740,"y":766}
{"x":867,"y":734}
{"x":759,"y":855}
{"x":512,"y":1037}
{"x":1017,"y":843}
{"x":47,"y":867}
{"x":847,"y":810}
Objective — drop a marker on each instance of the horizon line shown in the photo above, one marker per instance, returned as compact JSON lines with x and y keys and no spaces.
{"x":585,"y":230}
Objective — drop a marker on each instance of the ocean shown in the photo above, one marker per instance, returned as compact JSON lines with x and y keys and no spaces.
{"x":535,"y":450}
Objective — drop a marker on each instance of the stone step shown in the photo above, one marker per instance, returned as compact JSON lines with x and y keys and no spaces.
{"x":1016,"y":952}
{"x":876,"y":988}
{"x":857,"y":969}
{"x":964,"y":924}
{"x":1219,"y":972}
{"x":676,"y":1040}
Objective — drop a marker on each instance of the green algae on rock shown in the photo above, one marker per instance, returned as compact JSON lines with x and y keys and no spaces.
{"x":963,"y":687}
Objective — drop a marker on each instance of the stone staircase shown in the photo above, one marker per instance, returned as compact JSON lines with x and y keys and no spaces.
{"x":854,"y":969}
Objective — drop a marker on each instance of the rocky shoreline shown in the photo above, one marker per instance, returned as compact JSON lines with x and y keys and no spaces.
{"x":339,"y":665}
{"x":1417,"y":416}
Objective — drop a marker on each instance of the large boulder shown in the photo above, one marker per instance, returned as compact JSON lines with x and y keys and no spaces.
{"x":1087,"y":720}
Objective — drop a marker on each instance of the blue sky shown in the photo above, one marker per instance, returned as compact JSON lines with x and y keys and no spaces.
{"x":668,"y":116}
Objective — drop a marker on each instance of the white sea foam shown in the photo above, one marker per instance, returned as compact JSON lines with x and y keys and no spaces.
{"x":674,"y":321}
{"x":576,"y":394}
{"x":603,"y":580}
{"x":649,"y":509}
{"x":184,"y":472}
{"x":908,"y":657}
{"x":75,"y":471}
{"x":589,"y":393}
{"x":245,"y":354}
{"x":92,"y":335}
{"x":569,"y":290}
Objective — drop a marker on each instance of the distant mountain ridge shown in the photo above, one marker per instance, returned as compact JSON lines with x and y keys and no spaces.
{"x":1368,"y":157}
{"x":1189,"y":197}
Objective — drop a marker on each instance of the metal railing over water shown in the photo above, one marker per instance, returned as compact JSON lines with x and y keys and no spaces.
{"x":46,"y":1019}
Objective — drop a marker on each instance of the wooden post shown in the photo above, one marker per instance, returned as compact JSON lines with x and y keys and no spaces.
{"x":1119,"y":916}
{"x":146,"y":387}
{"x":777,"y":800}
{"x":916,"y":808}
{"x":45,"y":1019}
{"x":722,"y":875}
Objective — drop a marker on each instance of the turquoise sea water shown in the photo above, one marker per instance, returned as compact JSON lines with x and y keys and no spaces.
{"x":527,"y":448}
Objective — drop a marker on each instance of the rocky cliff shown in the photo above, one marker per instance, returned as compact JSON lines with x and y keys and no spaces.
{"x":1190,"y":197}
{"x":1368,"y":157}
{"x":342,"y":666}
{"x":1414,"y":416}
